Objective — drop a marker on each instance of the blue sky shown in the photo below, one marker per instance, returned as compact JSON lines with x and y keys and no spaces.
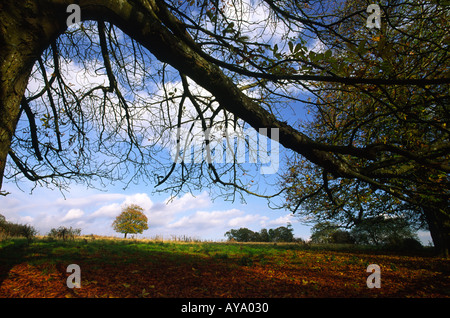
{"x":93,"y":211}
{"x":196,"y":215}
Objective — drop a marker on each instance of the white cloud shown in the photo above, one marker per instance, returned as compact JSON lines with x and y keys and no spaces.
{"x":93,"y":212}
{"x":213,"y":224}
{"x":204,"y":219}
{"x":425,"y":238}
{"x":85,"y":201}
{"x":318,"y":46}
{"x":280,"y":221}
{"x":109,"y":211}
{"x":140,"y":199}
{"x":189,"y":202}
{"x":245,"y":220}
{"x":26,"y":220}
{"x":72,"y":214}
{"x":255,"y":21}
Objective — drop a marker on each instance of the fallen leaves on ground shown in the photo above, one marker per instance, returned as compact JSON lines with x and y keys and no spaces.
{"x":291,"y":273}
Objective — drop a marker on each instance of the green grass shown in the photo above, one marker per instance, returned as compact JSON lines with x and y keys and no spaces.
{"x":117,"y":248}
{"x":218,"y":266}
{"x":128,"y":251}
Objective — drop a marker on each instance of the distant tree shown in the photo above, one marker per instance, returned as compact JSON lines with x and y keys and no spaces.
{"x":64,"y":233}
{"x":28,"y":231}
{"x":9,"y":229}
{"x":323,"y":232}
{"x":342,"y":237}
{"x":2,"y":226}
{"x":282,"y":234}
{"x":242,"y":235}
{"x":132,"y":220}
{"x":383,"y":231}
{"x":327,"y":232}
{"x":264,"y":235}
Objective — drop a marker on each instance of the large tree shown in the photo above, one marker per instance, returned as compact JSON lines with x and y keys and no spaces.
{"x":159,"y":66}
{"x":406,"y":122}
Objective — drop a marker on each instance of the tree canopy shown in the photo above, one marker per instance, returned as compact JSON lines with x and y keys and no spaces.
{"x":131,"y":220}
{"x":279,"y":234}
{"x":406,"y":121}
{"x":391,"y":232}
{"x":103,"y":99}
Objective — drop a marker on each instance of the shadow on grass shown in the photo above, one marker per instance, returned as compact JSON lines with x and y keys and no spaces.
{"x":11,"y":253}
{"x":155,"y":269}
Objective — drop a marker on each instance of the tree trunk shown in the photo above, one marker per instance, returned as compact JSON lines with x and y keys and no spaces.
{"x":13,"y":80}
{"x":439,"y":226}
{"x":26,"y":29}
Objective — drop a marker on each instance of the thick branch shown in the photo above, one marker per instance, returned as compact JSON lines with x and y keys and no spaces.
{"x":33,"y":129}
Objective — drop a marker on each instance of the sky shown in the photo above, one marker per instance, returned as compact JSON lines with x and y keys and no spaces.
{"x":195,"y":215}
{"x":93,"y":211}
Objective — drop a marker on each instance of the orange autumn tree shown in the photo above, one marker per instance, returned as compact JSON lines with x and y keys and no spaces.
{"x":132,"y":220}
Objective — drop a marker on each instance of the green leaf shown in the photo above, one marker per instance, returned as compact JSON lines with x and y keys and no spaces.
{"x":243,"y":38}
{"x":291,"y":46}
{"x":229,"y":28}
{"x":361,"y":47}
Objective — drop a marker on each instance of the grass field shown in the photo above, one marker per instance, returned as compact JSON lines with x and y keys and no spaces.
{"x":140,"y":268}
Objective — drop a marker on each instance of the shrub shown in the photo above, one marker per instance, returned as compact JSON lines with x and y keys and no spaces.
{"x":28,"y":232}
{"x":64,"y":233}
{"x":221,"y":256}
{"x":342,"y":237}
{"x":327,"y":232}
{"x":405,"y":245}
{"x":9,"y":229}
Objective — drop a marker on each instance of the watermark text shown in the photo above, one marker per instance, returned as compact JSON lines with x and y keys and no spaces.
{"x":224,"y":147}
{"x":373,"y":20}
{"x":374,"y":279}
{"x":74,"y":280}
{"x":75,"y":17}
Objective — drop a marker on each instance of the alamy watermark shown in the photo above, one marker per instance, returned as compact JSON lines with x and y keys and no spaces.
{"x":74,"y":280}
{"x":374,"y":279}
{"x":239,"y":146}
{"x":373,"y":20}
{"x":75,"y":16}
{"x":229,"y":146}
